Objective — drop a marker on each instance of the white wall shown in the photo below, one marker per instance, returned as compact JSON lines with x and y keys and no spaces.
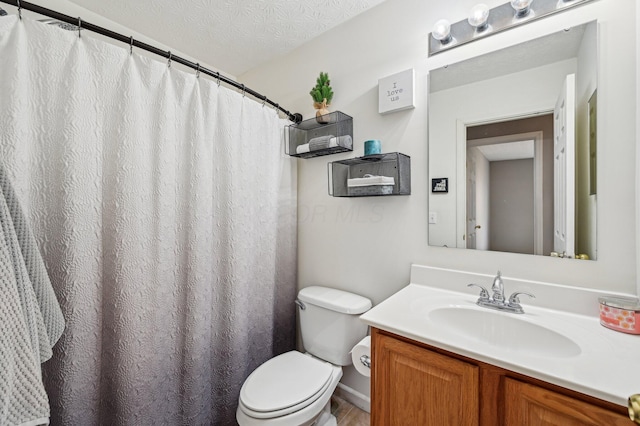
{"x":510,"y":97}
{"x":366,"y":245}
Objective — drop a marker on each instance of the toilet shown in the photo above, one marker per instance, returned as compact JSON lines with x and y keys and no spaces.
{"x":295,"y":388}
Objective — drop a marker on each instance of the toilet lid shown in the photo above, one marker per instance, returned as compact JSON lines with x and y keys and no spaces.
{"x":287,"y":382}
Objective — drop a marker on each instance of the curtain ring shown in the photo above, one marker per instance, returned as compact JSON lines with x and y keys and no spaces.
{"x":131,"y":45}
{"x":264,"y":100}
{"x":169,"y":61}
{"x":218,"y":78}
{"x":243,"y":89}
{"x":19,"y":10}
{"x":198,"y":71}
{"x":79,"y":27}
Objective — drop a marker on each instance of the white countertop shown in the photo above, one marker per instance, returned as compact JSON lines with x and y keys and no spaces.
{"x":606,"y":367}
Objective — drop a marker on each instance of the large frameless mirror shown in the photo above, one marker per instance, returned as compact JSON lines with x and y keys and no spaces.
{"x":512,"y":148}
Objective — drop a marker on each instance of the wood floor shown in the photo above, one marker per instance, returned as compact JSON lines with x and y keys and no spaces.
{"x":347,"y":414}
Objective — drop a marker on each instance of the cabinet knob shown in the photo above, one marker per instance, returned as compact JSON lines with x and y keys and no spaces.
{"x":634,"y":408}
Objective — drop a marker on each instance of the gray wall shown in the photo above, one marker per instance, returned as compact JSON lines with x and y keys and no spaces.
{"x":511,"y":206}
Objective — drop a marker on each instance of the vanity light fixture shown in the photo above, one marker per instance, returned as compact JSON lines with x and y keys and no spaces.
{"x":479,"y":17}
{"x":522,"y":7}
{"x":446,"y":36}
{"x":442,"y":31}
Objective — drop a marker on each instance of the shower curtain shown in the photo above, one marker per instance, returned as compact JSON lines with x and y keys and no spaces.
{"x":165,"y":213}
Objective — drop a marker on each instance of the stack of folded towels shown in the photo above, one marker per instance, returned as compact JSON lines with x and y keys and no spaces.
{"x":371,"y":185}
{"x":370,"y":180}
{"x":324,"y":142}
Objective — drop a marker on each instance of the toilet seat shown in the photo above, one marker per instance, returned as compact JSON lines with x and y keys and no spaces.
{"x":304,"y":417}
{"x":284,"y":384}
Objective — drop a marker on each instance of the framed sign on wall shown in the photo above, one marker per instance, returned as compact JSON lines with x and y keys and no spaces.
{"x":396,"y":92}
{"x":440,"y":185}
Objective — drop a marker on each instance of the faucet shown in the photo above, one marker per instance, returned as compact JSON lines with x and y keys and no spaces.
{"x":498,"y":288}
{"x":497,"y":300}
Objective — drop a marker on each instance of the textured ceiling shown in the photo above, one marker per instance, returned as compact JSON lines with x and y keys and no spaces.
{"x":231,"y":35}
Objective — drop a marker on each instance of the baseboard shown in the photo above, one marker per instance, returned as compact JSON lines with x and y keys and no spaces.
{"x":354,"y":397}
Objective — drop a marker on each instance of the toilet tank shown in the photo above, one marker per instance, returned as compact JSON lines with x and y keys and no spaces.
{"x":330,"y":324}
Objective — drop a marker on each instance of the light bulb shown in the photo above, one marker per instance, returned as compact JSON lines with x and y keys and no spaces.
{"x":521,"y":7}
{"x":442,"y":31}
{"x":479,"y":17}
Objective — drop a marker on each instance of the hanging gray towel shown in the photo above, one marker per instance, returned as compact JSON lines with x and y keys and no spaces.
{"x":31,"y":321}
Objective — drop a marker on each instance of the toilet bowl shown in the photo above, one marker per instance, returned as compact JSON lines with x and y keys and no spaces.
{"x":290,"y":389}
{"x":295,"y":388}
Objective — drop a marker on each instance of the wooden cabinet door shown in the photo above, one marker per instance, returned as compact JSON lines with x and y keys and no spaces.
{"x":415,"y":386}
{"x":530,"y":405}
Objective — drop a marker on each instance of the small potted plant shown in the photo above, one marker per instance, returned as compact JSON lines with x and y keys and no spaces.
{"x":322,"y":95}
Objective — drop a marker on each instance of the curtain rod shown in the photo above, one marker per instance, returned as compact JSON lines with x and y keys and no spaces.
{"x":295,"y":117}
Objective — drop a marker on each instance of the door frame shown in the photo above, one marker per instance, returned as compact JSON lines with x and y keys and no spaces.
{"x":461,"y":179}
{"x":564,"y":171}
{"x":538,"y":216}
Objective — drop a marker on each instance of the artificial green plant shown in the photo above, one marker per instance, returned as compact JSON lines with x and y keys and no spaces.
{"x":322,"y":92}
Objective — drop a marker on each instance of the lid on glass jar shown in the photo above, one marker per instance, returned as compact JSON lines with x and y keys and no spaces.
{"x":627,"y":303}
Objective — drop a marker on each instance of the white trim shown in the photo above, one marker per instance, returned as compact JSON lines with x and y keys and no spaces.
{"x":461,"y":183}
{"x":461,"y":169}
{"x":354,"y":397}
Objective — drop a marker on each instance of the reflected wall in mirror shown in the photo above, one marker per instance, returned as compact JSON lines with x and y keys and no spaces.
{"x":514,"y":131}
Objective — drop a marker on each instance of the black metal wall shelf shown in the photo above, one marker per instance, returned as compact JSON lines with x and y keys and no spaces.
{"x":328,"y":134}
{"x":371,"y":175}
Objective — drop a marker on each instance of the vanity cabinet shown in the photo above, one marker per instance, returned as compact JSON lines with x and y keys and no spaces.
{"x":409,"y":382}
{"x":416,"y":384}
{"x":527,"y":404}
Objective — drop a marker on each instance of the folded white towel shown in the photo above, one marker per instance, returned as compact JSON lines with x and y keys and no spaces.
{"x":369,"y":180}
{"x":324,"y":142}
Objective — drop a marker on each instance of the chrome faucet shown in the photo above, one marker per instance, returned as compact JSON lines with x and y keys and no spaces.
{"x":498,"y":288}
{"x":497,"y":300}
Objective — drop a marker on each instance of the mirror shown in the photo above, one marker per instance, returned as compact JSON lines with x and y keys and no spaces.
{"x":512,"y":148}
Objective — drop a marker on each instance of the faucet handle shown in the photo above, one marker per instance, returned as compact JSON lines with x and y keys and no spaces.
{"x":484,"y":294}
{"x":515,"y":300}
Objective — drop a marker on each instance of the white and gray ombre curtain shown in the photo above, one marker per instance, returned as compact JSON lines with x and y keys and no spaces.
{"x":165,"y":212}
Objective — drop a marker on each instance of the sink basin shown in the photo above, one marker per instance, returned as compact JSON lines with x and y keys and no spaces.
{"x":504,"y":330}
